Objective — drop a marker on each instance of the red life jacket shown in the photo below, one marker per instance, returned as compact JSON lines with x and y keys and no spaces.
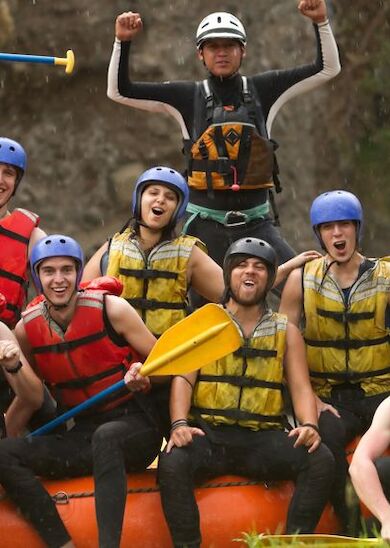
{"x":15,"y":233}
{"x":83,"y":361}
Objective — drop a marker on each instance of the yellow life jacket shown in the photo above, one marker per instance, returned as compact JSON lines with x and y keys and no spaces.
{"x":347,"y":341}
{"x":232,"y":153}
{"x":156,"y":285}
{"x":245,"y":388}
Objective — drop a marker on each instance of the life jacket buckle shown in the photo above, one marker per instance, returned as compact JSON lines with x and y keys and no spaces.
{"x":235,"y":218}
{"x":223,"y":165}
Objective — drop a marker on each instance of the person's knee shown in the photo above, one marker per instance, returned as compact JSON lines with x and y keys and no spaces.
{"x":8,"y":453}
{"x":108,"y":434}
{"x":333,"y":431}
{"x":323,"y":462}
{"x":173,"y":464}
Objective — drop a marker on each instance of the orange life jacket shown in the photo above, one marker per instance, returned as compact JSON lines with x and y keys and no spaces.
{"x":15,"y":233}
{"x":234,"y":152}
{"x":83,"y":361}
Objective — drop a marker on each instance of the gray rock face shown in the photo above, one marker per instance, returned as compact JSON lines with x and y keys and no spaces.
{"x":85,"y":151}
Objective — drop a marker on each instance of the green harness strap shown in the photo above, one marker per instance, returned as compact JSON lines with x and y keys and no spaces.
{"x":219,"y":215}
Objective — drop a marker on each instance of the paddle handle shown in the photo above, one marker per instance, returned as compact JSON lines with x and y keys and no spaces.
{"x":67,"y":61}
{"x":181,"y":349}
{"x":48,"y":427}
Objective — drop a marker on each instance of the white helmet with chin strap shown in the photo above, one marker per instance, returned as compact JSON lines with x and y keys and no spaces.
{"x":220,"y":25}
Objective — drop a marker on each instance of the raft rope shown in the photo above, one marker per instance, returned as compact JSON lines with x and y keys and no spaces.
{"x":63,"y":498}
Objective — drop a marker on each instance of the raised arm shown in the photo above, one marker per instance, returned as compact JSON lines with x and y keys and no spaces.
{"x":93,"y":267}
{"x":205,"y":275}
{"x":286,"y":268}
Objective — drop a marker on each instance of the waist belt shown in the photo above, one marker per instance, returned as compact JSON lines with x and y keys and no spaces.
{"x":227,"y":218}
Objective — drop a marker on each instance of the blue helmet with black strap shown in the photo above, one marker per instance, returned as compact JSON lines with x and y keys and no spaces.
{"x":12,"y":153}
{"x":164,"y":176}
{"x":55,"y":245}
{"x":333,"y":206}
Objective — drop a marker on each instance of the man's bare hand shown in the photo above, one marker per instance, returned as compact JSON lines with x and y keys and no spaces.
{"x":314,"y":9}
{"x":9,"y":353}
{"x":127,"y":26}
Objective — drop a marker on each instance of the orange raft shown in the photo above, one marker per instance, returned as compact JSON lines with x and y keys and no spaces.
{"x":228,"y":505}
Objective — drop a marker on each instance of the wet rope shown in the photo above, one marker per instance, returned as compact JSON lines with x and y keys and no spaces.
{"x":63,"y":498}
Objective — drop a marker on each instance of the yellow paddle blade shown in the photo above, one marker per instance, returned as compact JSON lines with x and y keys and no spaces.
{"x":319,"y":541}
{"x":206,"y":335}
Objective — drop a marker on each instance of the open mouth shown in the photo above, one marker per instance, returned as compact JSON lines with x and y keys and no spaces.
{"x":340,"y":246}
{"x":157,"y":211}
{"x":249,"y":283}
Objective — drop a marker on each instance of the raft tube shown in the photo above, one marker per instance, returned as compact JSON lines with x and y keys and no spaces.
{"x":229,"y":506}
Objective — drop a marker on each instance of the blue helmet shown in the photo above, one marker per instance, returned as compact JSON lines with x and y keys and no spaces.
{"x":167,"y":177}
{"x":11,"y":152}
{"x":55,"y":245}
{"x":337,"y":205}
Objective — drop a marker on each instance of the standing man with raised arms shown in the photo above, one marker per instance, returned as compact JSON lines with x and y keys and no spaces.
{"x":226,"y":123}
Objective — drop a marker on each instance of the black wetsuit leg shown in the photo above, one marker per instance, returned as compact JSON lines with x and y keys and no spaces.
{"x":336,"y":433}
{"x":266,"y":455}
{"x":127,"y":444}
{"x":105,"y":444}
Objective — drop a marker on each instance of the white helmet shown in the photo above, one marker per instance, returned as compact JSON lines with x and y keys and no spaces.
{"x":220,"y":25}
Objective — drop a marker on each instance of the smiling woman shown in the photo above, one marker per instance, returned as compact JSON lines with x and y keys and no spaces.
{"x":156,"y":266}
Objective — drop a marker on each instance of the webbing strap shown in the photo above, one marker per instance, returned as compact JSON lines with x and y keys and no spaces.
{"x":239,"y":414}
{"x":347,"y":344}
{"x":14,"y":235}
{"x":81,"y":382}
{"x":66,"y":346}
{"x":148,"y":274}
{"x":218,"y":215}
{"x":243,"y":382}
{"x":152,"y":304}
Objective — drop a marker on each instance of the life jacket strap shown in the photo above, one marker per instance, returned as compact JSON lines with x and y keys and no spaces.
{"x":225,"y":217}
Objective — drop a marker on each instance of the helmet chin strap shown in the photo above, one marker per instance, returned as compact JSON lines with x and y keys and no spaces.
{"x":58,"y":306}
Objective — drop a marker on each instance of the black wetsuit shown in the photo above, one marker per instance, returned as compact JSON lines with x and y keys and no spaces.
{"x":273,"y":88}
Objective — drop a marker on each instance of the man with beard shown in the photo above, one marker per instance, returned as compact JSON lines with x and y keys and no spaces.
{"x":344,"y":299}
{"x":228,"y":417}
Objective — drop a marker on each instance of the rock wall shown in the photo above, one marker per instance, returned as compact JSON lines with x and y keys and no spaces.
{"x":85,"y":150}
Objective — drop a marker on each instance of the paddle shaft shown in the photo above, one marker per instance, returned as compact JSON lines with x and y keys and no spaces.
{"x":48,"y":427}
{"x":19,"y":58}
